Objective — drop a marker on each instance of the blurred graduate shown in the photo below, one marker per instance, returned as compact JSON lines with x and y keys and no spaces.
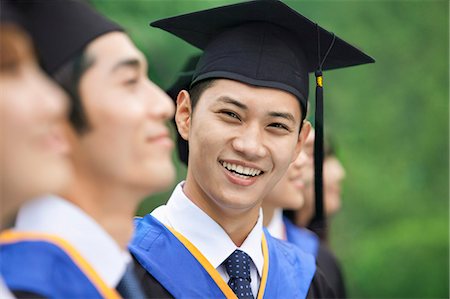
{"x":243,"y":118}
{"x":296,"y":220}
{"x":333,"y":175}
{"x":33,"y":147}
{"x":73,"y":244}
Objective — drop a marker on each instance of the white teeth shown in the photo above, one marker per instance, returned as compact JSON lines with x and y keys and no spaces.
{"x":241,"y":176}
{"x":247,"y":171}
{"x":240,"y":170}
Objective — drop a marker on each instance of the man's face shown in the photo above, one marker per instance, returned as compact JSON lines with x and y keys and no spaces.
{"x":305,"y":214}
{"x":128,"y":142}
{"x":33,"y":147}
{"x":288,"y":192}
{"x":333,"y":174}
{"x":241,"y":139}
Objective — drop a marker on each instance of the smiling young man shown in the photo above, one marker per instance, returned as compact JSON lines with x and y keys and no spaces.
{"x":74,"y":245}
{"x":243,"y":117}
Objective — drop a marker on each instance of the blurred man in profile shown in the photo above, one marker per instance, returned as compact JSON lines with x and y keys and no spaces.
{"x":334,"y":174}
{"x":299,"y":219}
{"x":74,"y":244}
{"x":33,"y":147}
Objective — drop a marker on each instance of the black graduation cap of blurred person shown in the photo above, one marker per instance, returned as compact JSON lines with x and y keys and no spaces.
{"x":9,"y":15}
{"x":61,"y":29}
{"x":266,"y":43}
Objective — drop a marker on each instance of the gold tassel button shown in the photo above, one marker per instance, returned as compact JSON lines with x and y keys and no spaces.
{"x":319,"y":81}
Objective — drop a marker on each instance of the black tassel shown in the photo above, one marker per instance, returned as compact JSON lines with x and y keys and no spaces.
{"x":318,"y":223}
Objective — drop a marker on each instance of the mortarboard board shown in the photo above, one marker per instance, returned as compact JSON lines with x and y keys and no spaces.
{"x":266,"y":43}
{"x":61,"y":29}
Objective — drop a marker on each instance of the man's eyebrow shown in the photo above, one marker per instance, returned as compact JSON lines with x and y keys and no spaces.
{"x":285,"y":115}
{"x":131,"y":62}
{"x":232,"y":101}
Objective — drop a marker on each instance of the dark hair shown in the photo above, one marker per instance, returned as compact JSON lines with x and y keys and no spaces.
{"x":68,"y":76}
{"x":197,"y":90}
{"x":329,"y":147}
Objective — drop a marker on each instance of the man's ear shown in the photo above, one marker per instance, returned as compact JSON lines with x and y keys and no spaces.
{"x":183,"y":114}
{"x":306,"y":128}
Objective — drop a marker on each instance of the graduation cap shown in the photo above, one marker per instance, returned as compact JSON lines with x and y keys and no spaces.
{"x":184,"y":77}
{"x":9,"y":15}
{"x":61,"y":29}
{"x":266,"y":43}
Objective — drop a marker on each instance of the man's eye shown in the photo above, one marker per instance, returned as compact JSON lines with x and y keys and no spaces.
{"x":231,"y":114}
{"x":280,"y":126}
{"x":131,"y":81}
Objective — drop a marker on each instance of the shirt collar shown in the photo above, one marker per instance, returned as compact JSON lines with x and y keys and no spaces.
{"x":59,"y":217}
{"x":205,"y":234}
{"x":276,"y":226}
{"x":5,"y":293}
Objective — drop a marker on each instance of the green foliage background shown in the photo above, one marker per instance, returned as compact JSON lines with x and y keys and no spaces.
{"x":389,"y":120}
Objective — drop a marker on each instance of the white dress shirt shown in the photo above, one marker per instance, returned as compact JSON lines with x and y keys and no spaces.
{"x":208,"y":237}
{"x":59,"y":217}
{"x":5,"y":293}
{"x":276,"y":226}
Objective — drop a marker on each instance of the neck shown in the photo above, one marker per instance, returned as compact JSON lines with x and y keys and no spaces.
{"x":306,"y":213}
{"x":237,"y":224}
{"x":6,"y":213}
{"x":10,"y":201}
{"x":238,"y":227}
{"x":110,"y":205}
{"x":268,"y":212}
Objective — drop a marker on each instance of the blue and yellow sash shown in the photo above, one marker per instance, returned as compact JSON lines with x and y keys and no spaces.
{"x":48,"y":266}
{"x":182,"y":269}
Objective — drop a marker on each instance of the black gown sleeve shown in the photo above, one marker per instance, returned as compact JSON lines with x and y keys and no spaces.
{"x":150,"y":286}
{"x":332,"y":270}
{"x":320,"y":287}
{"x":27,"y":295}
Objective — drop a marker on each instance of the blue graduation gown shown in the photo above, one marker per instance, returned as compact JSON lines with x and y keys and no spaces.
{"x":327,"y":262}
{"x":303,"y":238}
{"x":185,"y":273}
{"x":48,"y":266}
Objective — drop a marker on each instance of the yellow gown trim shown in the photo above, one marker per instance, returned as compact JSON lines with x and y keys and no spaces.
{"x":226,"y":290}
{"x":9,"y":236}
